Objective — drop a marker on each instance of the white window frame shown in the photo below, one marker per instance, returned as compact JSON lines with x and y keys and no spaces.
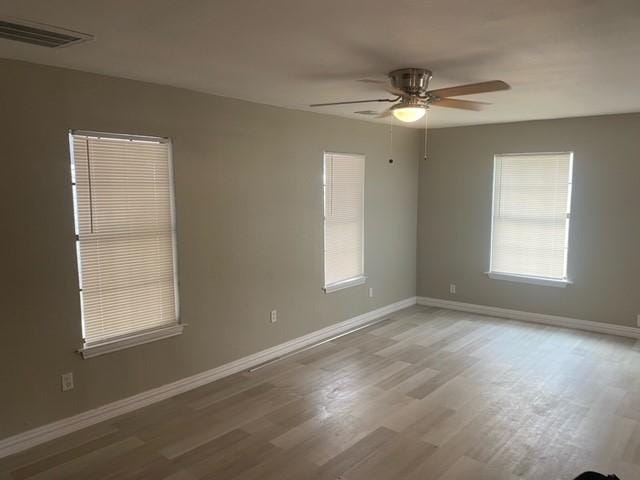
{"x":89,"y":350}
{"x":359,"y":279}
{"x":533,"y":280}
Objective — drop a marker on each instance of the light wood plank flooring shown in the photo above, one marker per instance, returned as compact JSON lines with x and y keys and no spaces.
{"x":426,"y":394}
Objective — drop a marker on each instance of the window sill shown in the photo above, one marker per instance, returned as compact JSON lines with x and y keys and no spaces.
{"x":102,"y":348}
{"x":352,"y":282}
{"x":510,"y":277}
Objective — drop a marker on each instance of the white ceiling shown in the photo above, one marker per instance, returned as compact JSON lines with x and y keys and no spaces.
{"x":562,"y":58}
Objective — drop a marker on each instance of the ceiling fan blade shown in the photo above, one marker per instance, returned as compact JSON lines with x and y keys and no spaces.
{"x":470,"y":89}
{"x":384,"y":84}
{"x":373,"y":80}
{"x":366,"y":112}
{"x":461,"y":104}
{"x":394,"y":91}
{"x":384,"y":113}
{"x":353,"y":101}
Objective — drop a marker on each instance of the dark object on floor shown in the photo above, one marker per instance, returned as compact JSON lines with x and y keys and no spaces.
{"x":595,"y":476}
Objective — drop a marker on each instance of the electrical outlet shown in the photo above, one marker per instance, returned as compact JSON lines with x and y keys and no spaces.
{"x":452,"y":288}
{"x":274,"y":316}
{"x":66,"y":380}
{"x":371,"y":293}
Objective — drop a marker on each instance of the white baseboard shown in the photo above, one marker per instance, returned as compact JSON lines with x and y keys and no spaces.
{"x":554,"y":320}
{"x":36,"y":436}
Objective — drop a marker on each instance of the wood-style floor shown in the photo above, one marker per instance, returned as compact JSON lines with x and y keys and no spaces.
{"x":427,"y":394}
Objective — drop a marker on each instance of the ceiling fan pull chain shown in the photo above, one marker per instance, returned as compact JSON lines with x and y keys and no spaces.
{"x":390,"y":141}
{"x":426,"y":125}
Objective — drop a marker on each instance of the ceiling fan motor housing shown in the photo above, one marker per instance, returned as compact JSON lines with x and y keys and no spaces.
{"x":413,"y":81}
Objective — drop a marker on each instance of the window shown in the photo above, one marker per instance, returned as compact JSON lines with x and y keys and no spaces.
{"x":343,"y":221}
{"x":531,"y":210}
{"x":125,"y":239}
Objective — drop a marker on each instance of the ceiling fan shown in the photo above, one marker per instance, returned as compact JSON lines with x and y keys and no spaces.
{"x":409,"y":85}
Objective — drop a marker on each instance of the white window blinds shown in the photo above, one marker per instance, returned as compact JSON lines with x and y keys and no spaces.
{"x":125,"y":230}
{"x":531,"y":205}
{"x":344,"y":218}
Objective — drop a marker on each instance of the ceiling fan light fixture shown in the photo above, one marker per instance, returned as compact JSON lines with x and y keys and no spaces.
{"x":408,"y":113}
{"x":410,"y":87}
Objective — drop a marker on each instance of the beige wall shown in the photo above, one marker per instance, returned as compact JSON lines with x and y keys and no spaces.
{"x":249,"y":212}
{"x":604,"y":248}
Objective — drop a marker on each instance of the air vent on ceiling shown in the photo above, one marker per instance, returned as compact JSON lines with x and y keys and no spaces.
{"x":39,"y":34}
